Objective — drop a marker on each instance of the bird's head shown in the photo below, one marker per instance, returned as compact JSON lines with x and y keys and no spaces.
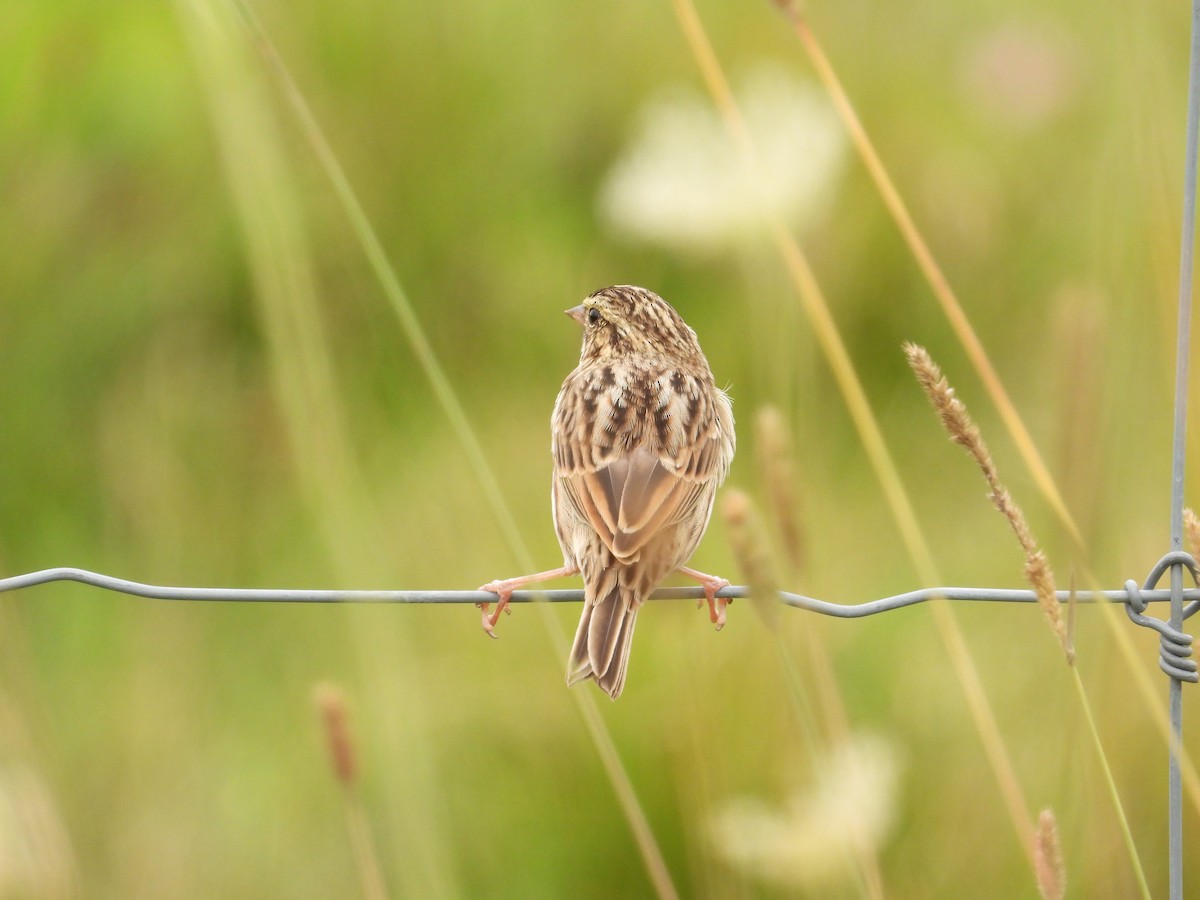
{"x":624,"y":321}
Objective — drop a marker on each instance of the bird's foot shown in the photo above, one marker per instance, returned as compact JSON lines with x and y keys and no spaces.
{"x":503,"y":590}
{"x":711,"y":584}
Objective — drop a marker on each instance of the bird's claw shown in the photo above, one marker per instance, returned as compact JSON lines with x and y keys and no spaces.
{"x":489,"y":617}
{"x":489,"y":621}
{"x":716,"y":605}
{"x":716,"y":611}
{"x":711,"y":584}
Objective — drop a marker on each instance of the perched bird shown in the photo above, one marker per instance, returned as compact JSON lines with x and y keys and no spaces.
{"x":641,"y":438}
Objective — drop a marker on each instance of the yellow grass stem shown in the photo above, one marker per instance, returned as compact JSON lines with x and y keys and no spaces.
{"x":979,"y":358}
{"x":779,"y":482}
{"x":443,"y":390}
{"x":829,"y":338}
{"x":255,"y":165}
{"x":932,"y":271}
{"x":963,"y":431}
{"x":1111,"y":783}
{"x":751,"y":551}
{"x":331,"y":707}
{"x":1191,"y":530}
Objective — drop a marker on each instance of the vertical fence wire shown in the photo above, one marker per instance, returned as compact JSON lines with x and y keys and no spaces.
{"x":1183,"y":343}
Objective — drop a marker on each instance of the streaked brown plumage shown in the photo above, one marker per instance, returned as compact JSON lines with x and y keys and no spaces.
{"x":641,"y":439}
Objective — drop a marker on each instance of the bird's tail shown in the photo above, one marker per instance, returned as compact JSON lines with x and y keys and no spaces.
{"x":604,"y":636}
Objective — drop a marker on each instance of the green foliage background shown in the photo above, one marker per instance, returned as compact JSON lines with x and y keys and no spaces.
{"x":168,"y":415}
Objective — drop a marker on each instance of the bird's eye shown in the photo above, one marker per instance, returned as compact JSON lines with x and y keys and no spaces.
{"x":593,"y":315}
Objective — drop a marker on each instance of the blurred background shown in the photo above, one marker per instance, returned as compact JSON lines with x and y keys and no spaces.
{"x":203,"y":382}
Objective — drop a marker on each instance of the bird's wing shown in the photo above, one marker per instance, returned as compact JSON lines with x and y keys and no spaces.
{"x":629,"y":494}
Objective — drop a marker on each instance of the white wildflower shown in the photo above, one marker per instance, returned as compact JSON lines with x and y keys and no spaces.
{"x":683,"y":183}
{"x":816,"y":839}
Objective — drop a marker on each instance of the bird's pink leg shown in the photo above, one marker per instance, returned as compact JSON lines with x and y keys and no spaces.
{"x":711,"y":584}
{"x":505,"y":587}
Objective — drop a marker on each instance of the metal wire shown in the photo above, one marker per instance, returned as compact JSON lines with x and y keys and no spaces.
{"x":1176,"y":646}
{"x":1183,"y":338}
{"x":1137,"y":598}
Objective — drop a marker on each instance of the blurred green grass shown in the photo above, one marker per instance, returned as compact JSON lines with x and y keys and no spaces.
{"x":147,"y":432}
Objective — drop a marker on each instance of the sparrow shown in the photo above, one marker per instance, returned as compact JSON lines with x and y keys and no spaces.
{"x":641,"y":438}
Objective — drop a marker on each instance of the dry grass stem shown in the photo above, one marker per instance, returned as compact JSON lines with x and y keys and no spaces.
{"x":455,"y":412}
{"x":749,"y":544}
{"x":1191,"y":530}
{"x":331,"y":705}
{"x":1047,"y":853}
{"x":971,"y":343}
{"x":933,"y":273}
{"x":963,"y":431}
{"x":1072,"y":608}
{"x":330,"y":701}
{"x":751,"y":550}
{"x":829,"y":339}
{"x":779,"y":481}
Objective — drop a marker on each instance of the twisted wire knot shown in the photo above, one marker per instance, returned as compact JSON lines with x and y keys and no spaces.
{"x":1175,"y":645}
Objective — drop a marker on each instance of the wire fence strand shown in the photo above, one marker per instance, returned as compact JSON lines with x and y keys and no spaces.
{"x":1127,"y":595}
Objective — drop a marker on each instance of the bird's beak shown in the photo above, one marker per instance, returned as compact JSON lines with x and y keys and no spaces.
{"x":577,"y":313}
